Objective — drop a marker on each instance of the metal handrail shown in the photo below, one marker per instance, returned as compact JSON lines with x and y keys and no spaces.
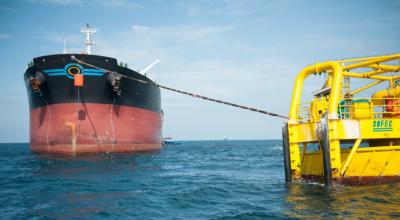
{"x":348,"y":109}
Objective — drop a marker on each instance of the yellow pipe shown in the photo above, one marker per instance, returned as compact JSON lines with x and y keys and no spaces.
{"x":296,"y":94}
{"x":370,"y":62}
{"x":372,"y":73}
{"x":365,"y":58}
{"x":379,"y":69}
{"x":366,"y":87}
{"x":387,"y":68}
{"x":358,"y":75}
{"x":350,"y":157}
{"x":335,"y":91}
{"x":366,"y":74}
{"x":329,"y":81}
{"x":396,"y":77}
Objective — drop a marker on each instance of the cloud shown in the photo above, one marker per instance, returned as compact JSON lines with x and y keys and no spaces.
{"x":58,"y":2}
{"x":193,"y":10}
{"x":58,"y":38}
{"x":100,"y":3}
{"x":118,"y":4}
{"x":184,"y":33}
{"x":245,"y":7}
{"x":4,"y":36}
{"x":170,"y":43}
{"x":74,"y":42}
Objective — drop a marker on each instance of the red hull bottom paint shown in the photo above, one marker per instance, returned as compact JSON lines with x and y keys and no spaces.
{"x":357,"y":180}
{"x":77,"y":128}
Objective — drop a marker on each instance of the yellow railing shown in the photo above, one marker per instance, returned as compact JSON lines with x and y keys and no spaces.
{"x":369,"y":108}
{"x":303,"y":112}
{"x":354,"y":108}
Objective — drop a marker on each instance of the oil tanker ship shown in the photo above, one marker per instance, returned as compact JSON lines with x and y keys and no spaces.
{"x":84,"y":103}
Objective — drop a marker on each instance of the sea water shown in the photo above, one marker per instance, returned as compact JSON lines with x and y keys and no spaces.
{"x":193,"y":180}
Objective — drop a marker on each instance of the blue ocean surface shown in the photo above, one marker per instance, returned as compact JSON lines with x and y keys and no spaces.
{"x":193,"y":180}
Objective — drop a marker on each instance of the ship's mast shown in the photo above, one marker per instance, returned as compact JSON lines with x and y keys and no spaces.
{"x":88,"y":42}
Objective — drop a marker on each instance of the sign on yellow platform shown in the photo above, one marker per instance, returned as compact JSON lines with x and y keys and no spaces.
{"x":382,"y":125}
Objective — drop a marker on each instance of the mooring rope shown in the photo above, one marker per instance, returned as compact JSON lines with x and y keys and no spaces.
{"x":184,"y":92}
{"x":224,"y":102}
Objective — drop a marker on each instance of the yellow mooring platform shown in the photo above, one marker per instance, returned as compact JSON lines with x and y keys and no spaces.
{"x":341,"y":136}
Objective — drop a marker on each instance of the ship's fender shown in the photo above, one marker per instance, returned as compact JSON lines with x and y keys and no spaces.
{"x":286,"y":152}
{"x":326,"y":152}
{"x":39,"y":76}
{"x":37,"y":80}
{"x":115,"y":80}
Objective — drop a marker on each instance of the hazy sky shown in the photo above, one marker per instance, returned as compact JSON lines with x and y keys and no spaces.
{"x":247,"y":52}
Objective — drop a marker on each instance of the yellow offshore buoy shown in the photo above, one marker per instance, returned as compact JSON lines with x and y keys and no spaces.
{"x":341,"y":135}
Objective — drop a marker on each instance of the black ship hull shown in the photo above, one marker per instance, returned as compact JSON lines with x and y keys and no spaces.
{"x":107,"y":112}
